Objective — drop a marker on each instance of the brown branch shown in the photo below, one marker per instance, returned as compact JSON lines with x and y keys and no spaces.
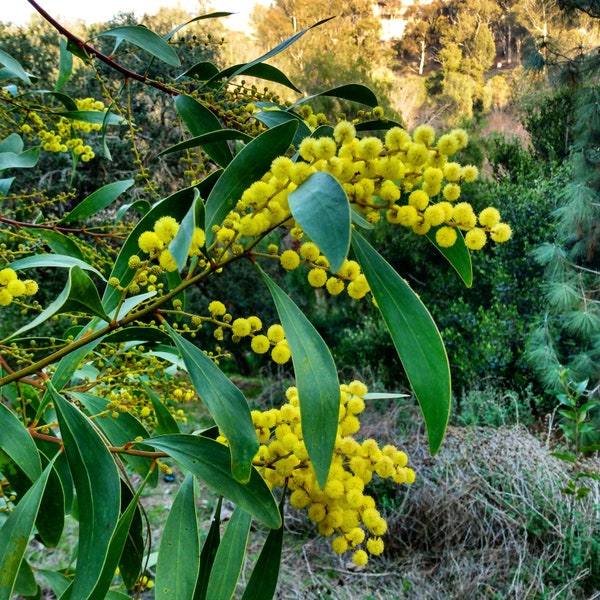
{"x":90,"y":50}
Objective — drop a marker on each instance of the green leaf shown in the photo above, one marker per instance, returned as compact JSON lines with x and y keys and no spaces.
{"x":165,"y":422}
{"x":279,"y":48}
{"x":316,"y":380}
{"x":209,"y":552}
{"x":179,"y":552}
{"x":146,"y":40}
{"x":259,"y":70}
{"x":214,"y":15}
{"x":79,"y":295}
{"x":14,"y":66}
{"x":180,"y":245}
{"x":272,"y":118}
{"x":230,"y":557}
{"x":415,"y":336}
{"x":99,"y":117}
{"x":15,"y":534}
{"x":202,"y":71}
{"x":210,"y":461}
{"x":97,"y":201}
{"x":26,"y":586}
{"x":118,"y":431}
{"x":176,"y":205}
{"x":457,"y":255}
{"x":265,"y":575}
{"x":52,"y":260}
{"x":93,"y":469}
{"x":24,"y":160}
{"x":225,"y":402}
{"x":353,"y":91}
{"x":50,"y":521}
{"x":320,"y":206}
{"x":199,"y":119}
{"x":57,"y":581}
{"x":58,"y":242}
{"x":12,"y":143}
{"x":5,"y":184}
{"x":207,"y":138}
{"x":65,"y":65}
{"x":18,"y":444}
{"x":248,"y":166}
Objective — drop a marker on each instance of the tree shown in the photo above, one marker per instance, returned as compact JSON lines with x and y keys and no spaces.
{"x":101,"y":398}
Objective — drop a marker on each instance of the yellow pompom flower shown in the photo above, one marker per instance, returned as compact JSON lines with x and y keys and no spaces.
{"x":403,"y":215}
{"x":150,"y":243}
{"x":335,"y":286}
{"x":281,"y":353}
{"x":446,"y":237}
{"x":358,"y":288}
{"x":424,"y":134}
{"x":7,"y":275}
{"x":447,"y":145}
{"x":275,"y":333}
{"x":309,"y":251}
{"x":166,"y":261}
{"x":198,"y":241}
{"x":470,"y":173}
{"x":344,"y":132}
{"x":475,"y":239}
{"x":397,"y":139}
{"x":369,"y":148}
{"x":464,"y":214}
{"x":217,"y":308}
{"x":281,"y":168}
{"x":317,"y":277}
{"x":16,"y":288}
{"x":451,"y":192}
{"x":417,"y":154}
{"x":260,"y":344}
{"x":325,"y":148}
{"x":31,"y":287}
{"x":489,"y":217}
{"x":501,"y":232}
{"x":389,"y":192}
{"x":435,"y":215}
{"x":360,"y":558}
{"x":241,"y":327}
{"x":289,"y":260}
{"x":452,"y":171}
{"x":419,"y":199}
{"x":166,"y":228}
{"x":375,"y":546}
{"x":5,"y":297}
{"x":339,"y":544}
{"x":461,"y":137}
{"x":433,"y":176}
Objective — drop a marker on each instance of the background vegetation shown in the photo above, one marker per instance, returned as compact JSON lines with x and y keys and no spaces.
{"x":496,"y":514}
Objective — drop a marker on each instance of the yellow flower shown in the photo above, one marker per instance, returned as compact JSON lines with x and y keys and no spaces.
{"x":275,"y":333}
{"x":424,"y":134}
{"x":335,"y":286}
{"x":7,"y":275}
{"x":150,"y":243}
{"x":16,"y":288}
{"x":317,"y":277}
{"x":489,"y":217}
{"x":166,"y":261}
{"x":289,"y":260}
{"x":451,"y":192}
{"x":309,"y":251}
{"x":281,"y":353}
{"x":360,"y":558}
{"x":397,"y":139}
{"x":217,"y":308}
{"x":375,"y":546}
{"x":5,"y":297}
{"x":344,"y":132}
{"x":475,"y":239}
{"x":501,"y":232}
{"x":446,"y":237}
{"x":166,"y":229}
{"x":241,"y":327}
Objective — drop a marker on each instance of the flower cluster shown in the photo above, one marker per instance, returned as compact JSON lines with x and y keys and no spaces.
{"x":12,"y":287}
{"x":68,"y":134}
{"x":342,"y":509}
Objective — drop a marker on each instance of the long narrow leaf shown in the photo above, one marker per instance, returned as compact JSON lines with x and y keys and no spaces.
{"x":457,"y":255}
{"x":316,"y":380}
{"x":415,"y":336}
{"x":15,"y":534}
{"x":320,"y":206}
{"x":179,"y":552}
{"x":209,"y":552}
{"x":247,"y":167}
{"x":210,"y":461}
{"x":18,"y":444}
{"x":230,"y":557}
{"x":93,"y":469}
{"x":97,"y":201}
{"x":225,"y":402}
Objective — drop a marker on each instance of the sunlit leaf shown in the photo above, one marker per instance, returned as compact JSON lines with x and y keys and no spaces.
{"x":353,"y":91}
{"x":248,"y":166}
{"x":259,"y":70}
{"x":65,"y":65}
{"x":58,"y":242}
{"x":321,"y":208}
{"x":415,"y":336}
{"x":210,"y":461}
{"x":225,"y":402}
{"x":146,"y":40}
{"x":97,"y":201}
{"x":14,"y":66}
{"x":230,"y":557}
{"x":272,"y":118}
{"x":208,"y":138}
{"x":93,"y":469}
{"x":179,"y":551}
{"x":316,"y":380}
{"x":52,"y":260}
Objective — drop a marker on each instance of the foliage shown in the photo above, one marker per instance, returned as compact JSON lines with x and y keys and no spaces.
{"x":99,"y":403}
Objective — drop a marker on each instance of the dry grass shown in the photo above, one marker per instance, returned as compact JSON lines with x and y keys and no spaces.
{"x":485,"y":519}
